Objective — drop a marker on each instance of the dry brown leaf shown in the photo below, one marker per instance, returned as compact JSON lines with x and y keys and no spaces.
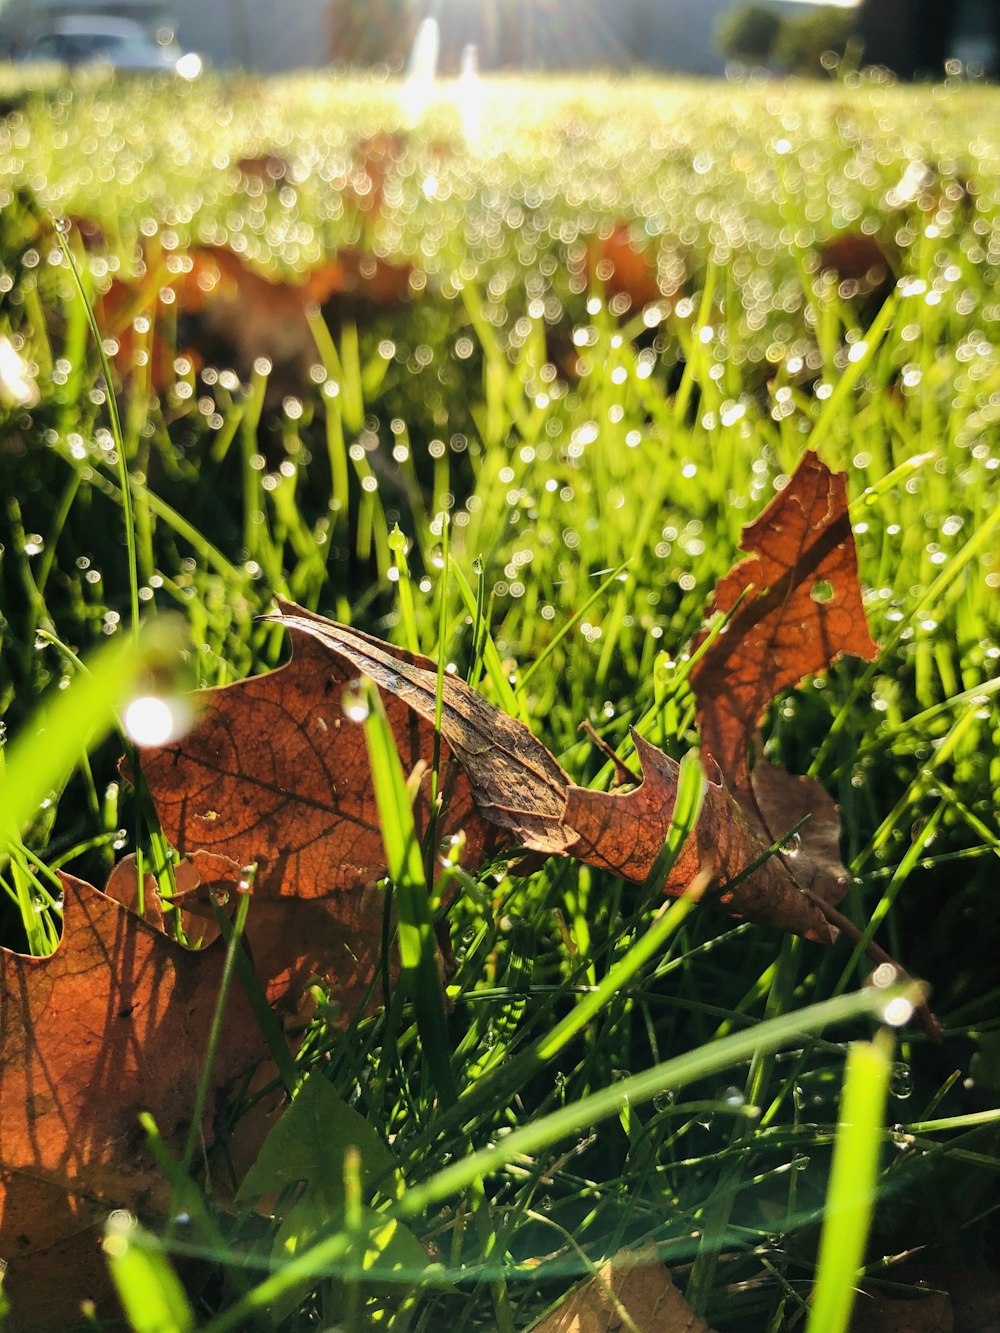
{"x":516,"y":783}
{"x":199,"y":880}
{"x":306,"y":832}
{"x":622,"y":269}
{"x":625,"y":831}
{"x":780,"y":802}
{"x":882,"y":1312}
{"x":796,"y":606}
{"x":214,"y":308}
{"x":114,"y":1022}
{"x":632,"y":1293}
{"x":275,"y":773}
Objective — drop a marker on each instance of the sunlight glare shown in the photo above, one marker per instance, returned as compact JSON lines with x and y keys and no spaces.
{"x":470,"y":98}
{"x":151,"y":720}
{"x":421,"y":71}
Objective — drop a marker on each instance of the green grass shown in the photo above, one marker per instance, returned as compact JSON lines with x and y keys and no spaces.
{"x":603,"y":1072}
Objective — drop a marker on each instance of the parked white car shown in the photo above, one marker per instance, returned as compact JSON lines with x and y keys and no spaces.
{"x":120,"y":43}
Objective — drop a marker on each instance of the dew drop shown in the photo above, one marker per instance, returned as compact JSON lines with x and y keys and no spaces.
{"x":897,"y":1011}
{"x":354,"y":702}
{"x":792,"y":846}
{"x":886,"y":974}
{"x":450,"y":851}
{"x":901,"y":1081}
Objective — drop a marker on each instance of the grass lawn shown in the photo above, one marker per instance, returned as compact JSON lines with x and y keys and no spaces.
{"x":569,"y":467}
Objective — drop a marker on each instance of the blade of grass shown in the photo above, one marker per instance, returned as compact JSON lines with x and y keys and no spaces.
{"x":150,"y":1291}
{"x":215,"y":1034}
{"x":67,"y":723}
{"x":117,"y":434}
{"x":417,"y":942}
{"x":543,"y":1132}
{"x":851,"y":1193}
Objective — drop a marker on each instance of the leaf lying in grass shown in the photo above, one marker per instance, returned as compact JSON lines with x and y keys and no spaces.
{"x":215,"y":308}
{"x":198,"y":880}
{"x":623,"y":270}
{"x":276,"y":773}
{"x":632,"y":1291}
{"x":114,"y":1022}
{"x":624,"y":832}
{"x":516,"y":783}
{"x":794,"y":607}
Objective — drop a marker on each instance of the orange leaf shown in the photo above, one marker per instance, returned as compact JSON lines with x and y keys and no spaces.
{"x":275,"y":773}
{"x":631,"y":1291}
{"x":796,"y":606}
{"x":114,"y":1022}
{"x":624,"y":832}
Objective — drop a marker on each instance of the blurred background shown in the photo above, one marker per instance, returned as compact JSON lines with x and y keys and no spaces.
{"x":689,"y":36}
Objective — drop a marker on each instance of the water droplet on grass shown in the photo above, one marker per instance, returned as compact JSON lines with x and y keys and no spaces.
{"x":901,"y":1081}
{"x":354,"y":702}
{"x":792,"y":846}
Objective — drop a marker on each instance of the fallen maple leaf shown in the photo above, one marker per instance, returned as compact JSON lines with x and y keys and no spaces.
{"x":517,"y":784}
{"x":622,"y":269}
{"x":794,"y":606}
{"x":211,"y":306}
{"x":276,"y":774}
{"x":631,"y":1291}
{"x":114,"y":1022}
{"x":624,"y":832}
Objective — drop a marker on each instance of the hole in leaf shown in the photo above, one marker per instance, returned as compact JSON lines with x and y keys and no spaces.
{"x":822,"y":592}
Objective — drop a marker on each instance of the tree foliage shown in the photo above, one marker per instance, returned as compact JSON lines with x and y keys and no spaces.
{"x":749,"y":33}
{"x":802,"y":42}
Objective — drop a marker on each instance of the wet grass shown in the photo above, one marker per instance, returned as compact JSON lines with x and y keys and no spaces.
{"x":570,"y":474}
